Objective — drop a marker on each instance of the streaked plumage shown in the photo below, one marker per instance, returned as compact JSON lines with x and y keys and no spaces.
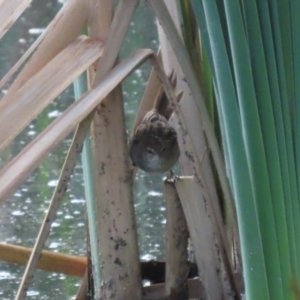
{"x":153,"y":146}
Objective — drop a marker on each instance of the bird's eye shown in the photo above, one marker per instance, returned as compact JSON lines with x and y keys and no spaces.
{"x":150,"y":150}
{"x":153,"y":119}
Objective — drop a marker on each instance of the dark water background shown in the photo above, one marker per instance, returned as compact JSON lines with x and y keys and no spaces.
{"x":22,"y":215}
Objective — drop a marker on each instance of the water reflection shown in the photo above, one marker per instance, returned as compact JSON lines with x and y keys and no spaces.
{"x":22,"y":214}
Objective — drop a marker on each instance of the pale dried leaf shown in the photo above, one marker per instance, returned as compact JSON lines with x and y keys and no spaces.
{"x":202,"y":235}
{"x":197,"y":122}
{"x":153,"y":88}
{"x":62,"y":31}
{"x":55,"y":202}
{"x":118,"y":29}
{"x":177,"y":266}
{"x":219,"y":234}
{"x":117,"y":236}
{"x":25,"y":104}
{"x":10,"y":12}
{"x":82,"y":293}
{"x":119,"y":251}
{"x":100,"y":13}
{"x":24,"y":163}
{"x":190,"y":77}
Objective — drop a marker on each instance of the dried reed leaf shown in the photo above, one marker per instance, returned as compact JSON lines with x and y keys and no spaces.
{"x":55,"y":202}
{"x":199,"y":149}
{"x":82,"y":293}
{"x":177,"y":267}
{"x":152,"y":95}
{"x":25,"y":104}
{"x":185,"y":63}
{"x":117,"y":237}
{"x":62,"y":183}
{"x":100,"y":13}
{"x":118,"y":28}
{"x":228,"y":226}
{"x":117,"y":229}
{"x":120,"y":266}
{"x":189,"y":109}
{"x":167,"y":53}
{"x":63,"y":30}
{"x":202,"y":235}
{"x":219,"y":233}
{"x":196,"y":123}
{"x":10,"y":12}
{"x":24,"y":163}
{"x":153,"y":88}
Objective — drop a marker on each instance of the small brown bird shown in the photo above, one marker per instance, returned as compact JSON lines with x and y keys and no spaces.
{"x":153,"y":146}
